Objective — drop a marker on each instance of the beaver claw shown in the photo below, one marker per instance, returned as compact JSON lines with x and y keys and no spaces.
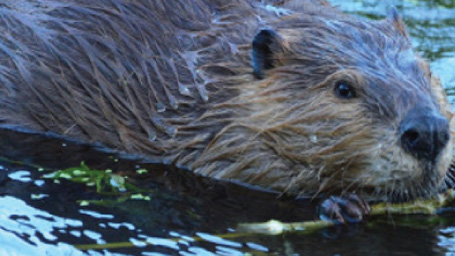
{"x":349,"y":209}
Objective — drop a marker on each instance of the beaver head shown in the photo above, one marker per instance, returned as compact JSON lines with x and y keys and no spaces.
{"x":337,"y":105}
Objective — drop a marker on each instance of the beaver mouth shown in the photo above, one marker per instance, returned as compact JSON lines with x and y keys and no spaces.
{"x":427,"y":184}
{"x":399,"y":170}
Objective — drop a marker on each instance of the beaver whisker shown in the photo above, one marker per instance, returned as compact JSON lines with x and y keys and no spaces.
{"x":450,"y":176}
{"x":352,"y":187}
{"x":327,"y":181}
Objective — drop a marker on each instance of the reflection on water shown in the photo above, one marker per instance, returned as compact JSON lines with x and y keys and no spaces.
{"x":52,"y":222}
{"x":192,"y":217}
{"x":447,"y":238}
{"x":29,"y":231}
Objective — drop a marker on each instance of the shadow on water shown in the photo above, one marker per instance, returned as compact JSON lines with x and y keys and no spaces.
{"x":177,"y":213}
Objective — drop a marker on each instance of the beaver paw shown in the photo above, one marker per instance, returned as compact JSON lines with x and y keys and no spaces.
{"x":349,"y":209}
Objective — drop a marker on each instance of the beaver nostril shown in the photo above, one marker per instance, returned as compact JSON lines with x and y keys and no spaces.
{"x":410,"y":137}
{"x":424,"y":134}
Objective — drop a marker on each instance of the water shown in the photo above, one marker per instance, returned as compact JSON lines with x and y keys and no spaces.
{"x":179,"y":214}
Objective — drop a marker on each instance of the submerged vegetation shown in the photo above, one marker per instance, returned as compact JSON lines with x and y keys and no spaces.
{"x":105,"y":183}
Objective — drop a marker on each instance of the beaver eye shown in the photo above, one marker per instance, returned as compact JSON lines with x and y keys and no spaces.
{"x":344,"y":90}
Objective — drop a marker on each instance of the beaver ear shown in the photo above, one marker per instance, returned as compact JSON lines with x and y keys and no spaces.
{"x":267,"y":44}
{"x":397,"y":22}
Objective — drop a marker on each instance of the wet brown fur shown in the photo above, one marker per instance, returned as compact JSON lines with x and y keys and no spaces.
{"x":173,"y":80}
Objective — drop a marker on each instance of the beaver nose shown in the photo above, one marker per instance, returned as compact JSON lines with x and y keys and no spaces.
{"x":424,"y":133}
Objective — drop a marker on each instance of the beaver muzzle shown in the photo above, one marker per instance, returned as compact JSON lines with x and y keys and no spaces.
{"x":424,"y":133}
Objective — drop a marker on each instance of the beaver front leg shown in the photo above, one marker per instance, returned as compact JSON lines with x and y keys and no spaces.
{"x":350,"y":209}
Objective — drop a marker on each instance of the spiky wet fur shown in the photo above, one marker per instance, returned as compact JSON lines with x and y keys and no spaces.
{"x":172,"y":80}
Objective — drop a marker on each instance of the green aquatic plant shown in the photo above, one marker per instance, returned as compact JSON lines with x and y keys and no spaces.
{"x":105,"y":182}
{"x":101,"y":179}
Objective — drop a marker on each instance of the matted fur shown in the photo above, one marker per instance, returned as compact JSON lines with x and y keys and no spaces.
{"x":172,"y":80}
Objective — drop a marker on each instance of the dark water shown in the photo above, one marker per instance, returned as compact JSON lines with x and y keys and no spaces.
{"x":179,"y":214}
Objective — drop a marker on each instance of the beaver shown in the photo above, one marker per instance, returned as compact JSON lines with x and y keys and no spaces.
{"x":292,"y":96}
